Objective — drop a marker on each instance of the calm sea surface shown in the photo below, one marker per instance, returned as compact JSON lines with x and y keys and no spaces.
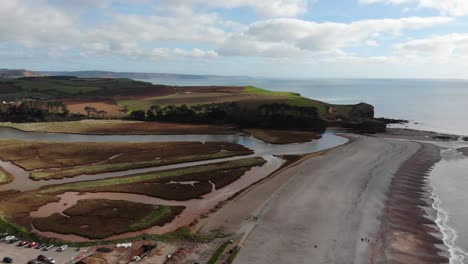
{"x":436,"y":105}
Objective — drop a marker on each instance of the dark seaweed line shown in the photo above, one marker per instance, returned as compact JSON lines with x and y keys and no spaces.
{"x":407,"y":234}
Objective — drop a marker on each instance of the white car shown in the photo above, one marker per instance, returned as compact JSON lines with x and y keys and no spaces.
{"x":9,"y":238}
{"x":49,"y":247}
{"x":50,"y":260}
{"x":62,"y":248}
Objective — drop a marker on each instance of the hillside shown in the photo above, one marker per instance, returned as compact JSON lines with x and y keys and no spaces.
{"x":9,"y":73}
{"x":129,"y":75}
{"x":121,"y":97}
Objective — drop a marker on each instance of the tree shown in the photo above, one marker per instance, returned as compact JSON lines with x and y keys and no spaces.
{"x":153,"y":112}
{"x":137,"y":115}
{"x":91,"y":111}
{"x":102,"y":113}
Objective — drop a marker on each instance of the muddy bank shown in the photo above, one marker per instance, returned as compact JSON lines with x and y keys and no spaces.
{"x":407,"y":232}
{"x":119,"y":127}
{"x":101,"y":218}
{"x":283,"y":136}
{"x":464,"y":151}
{"x":194,"y":207}
{"x":412,"y":134}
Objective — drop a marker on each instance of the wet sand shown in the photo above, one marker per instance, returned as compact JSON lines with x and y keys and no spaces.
{"x":408,"y":233}
{"x":330,"y":209}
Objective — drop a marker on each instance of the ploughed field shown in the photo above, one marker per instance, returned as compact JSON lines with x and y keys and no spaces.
{"x":46,"y":160}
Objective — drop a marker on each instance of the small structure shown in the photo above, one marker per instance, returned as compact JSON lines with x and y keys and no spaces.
{"x":331,"y":113}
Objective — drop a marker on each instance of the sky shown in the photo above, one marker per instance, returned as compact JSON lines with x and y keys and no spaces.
{"x":260,"y":38}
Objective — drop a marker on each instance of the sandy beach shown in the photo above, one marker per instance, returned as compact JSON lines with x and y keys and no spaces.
{"x":329,"y":208}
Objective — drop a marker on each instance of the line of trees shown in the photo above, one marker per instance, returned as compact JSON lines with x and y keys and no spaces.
{"x":275,"y":116}
{"x":93,"y":112}
{"x":36,"y":111}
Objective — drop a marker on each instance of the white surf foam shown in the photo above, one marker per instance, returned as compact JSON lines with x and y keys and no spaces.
{"x":457,"y":255}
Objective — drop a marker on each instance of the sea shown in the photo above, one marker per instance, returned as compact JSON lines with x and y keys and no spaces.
{"x":433,"y":105}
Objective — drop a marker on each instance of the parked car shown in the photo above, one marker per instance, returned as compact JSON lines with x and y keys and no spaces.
{"x":32,"y":244}
{"x":22,"y":243}
{"x":7,"y":260}
{"x":62,"y":248}
{"x":13,"y":240}
{"x":49,"y":247}
{"x":3,"y":235}
{"x":42,"y":257}
{"x":7,"y":238}
{"x":50,"y":260}
{"x":41,"y":246}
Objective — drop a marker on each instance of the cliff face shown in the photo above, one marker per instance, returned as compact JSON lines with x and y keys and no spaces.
{"x":361,"y":111}
{"x":359,"y":117}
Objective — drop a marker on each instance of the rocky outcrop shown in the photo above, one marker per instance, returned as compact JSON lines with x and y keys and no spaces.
{"x":371,"y":126}
{"x":360,"y":111}
{"x":392,"y":121}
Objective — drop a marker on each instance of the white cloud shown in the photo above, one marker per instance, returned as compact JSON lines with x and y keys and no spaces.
{"x":183,"y":31}
{"x":446,"y":7}
{"x":34,"y":24}
{"x":288,"y":37}
{"x":442,"y":47}
{"x":270,"y":8}
{"x":38,"y":24}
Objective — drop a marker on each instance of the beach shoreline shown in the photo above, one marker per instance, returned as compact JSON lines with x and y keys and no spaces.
{"x":344,"y":205}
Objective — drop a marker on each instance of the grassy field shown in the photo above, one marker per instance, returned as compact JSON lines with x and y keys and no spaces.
{"x":294,"y":99}
{"x":243,"y":95}
{"x":53,"y":88}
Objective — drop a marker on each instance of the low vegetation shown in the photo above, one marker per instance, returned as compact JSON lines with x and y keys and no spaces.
{"x":283,"y":136}
{"x":5,"y":177}
{"x":121,"y":127}
{"x":171,"y":185}
{"x":218,"y":253}
{"x":156,"y":183}
{"x":100,"y":218}
{"x":49,"y":160}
